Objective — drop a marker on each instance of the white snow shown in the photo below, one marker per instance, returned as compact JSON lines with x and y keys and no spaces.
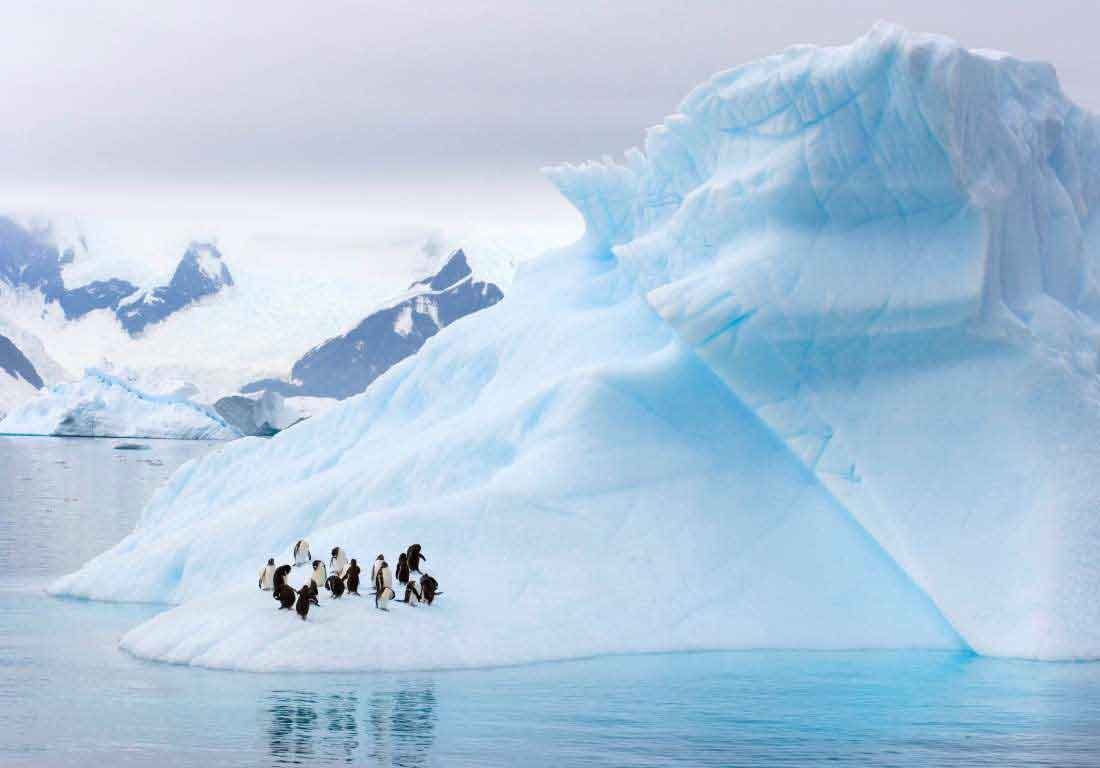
{"x":104,"y":405}
{"x":14,"y":391}
{"x":822,"y":374}
{"x":404,"y":322}
{"x":306,"y":407}
{"x":209,"y":263}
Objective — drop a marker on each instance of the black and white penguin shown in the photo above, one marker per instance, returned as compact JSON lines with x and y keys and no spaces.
{"x":415,"y":556}
{"x":285,"y":595}
{"x":383,"y":586}
{"x":278,"y":579}
{"x":351,"y":577}
{"x":375,"y":566}
{"x":313,"y":592}
{"x":338,"y":562}
{"x":402,"y":569}
{"x":335,"y":585}
{"x":412,"y":594}
{"x":305,"y":597}
{"x":320,"y":576}
{"x":301,"y":553}
{"x":267,"y":576}
{"x":429,"y":588}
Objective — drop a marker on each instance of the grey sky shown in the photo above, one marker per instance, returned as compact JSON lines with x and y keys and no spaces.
{"x":143,"y":92}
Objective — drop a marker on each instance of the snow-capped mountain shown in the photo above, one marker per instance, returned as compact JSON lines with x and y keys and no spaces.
{"x":18,"y":378}
{"x":200,"y":273}
{"x":30,"y":259}
{"x":826,"y":360}
{"x":25,"y":368}
{"x":346,"y":365}
{"x":16,"y":365}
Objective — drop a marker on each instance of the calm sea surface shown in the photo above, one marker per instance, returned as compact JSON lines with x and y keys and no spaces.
{"x":68,"y":696}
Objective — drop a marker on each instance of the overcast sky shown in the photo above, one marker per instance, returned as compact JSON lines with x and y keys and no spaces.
{"x":277,"y":93}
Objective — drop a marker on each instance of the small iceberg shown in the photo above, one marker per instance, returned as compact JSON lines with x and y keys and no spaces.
{"x":105,"y":405}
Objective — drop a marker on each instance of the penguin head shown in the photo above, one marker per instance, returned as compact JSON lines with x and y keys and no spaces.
{"x":271,"y":561}
{"x":335,"y":550}
{"x":353,"y":561}
{"x":402,"y":557}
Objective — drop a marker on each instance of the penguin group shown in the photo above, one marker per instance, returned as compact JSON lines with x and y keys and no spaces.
{"x":343,"y":576}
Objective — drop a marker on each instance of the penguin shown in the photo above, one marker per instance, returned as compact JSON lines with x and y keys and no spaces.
{"x":338,"y":562}
{"x":351,"y":577}
{"x":267,"y":575}
{"x":320,"y":576}
{"x":313,"y":593}
{"x":383,"y":587}
{"x":415,"y":556}
{"x":305,"y":597}
{"x":278,"y":580}
{"x":335,"y":585}
{"x":412,"y":594}
{"x":285,"y":595}
{"x":429,"y":588}
{"x":402,"y":569}
{"x":301,"y":553}
{"x":375,"y":566}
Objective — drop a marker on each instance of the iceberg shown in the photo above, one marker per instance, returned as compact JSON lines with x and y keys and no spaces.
{"x":262,"y":414}
{"x":105,"y":405}
{"x":821,"y":374}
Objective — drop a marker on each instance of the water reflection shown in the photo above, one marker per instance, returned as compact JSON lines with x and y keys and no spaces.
{"x":397,"y":728}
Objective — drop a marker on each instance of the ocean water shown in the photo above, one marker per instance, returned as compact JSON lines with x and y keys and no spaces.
{"x":68,"y":696}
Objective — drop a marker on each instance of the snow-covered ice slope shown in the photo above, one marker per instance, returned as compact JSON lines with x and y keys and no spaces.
{"x":822,"y":374}
{"x":888,"y":251}
{"x":104,"y":405}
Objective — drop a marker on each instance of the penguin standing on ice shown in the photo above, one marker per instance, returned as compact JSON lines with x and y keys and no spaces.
{"x":305,"y":597}
{"x":267,"y":575}
{"x":415,"y":556}
{"x":320,"y":576}
{"x":284,"y":593}
{"x":278,"y":580}
{"x":301,"y":553}
{"x":351,"y":577}
{"x":412,"y":594}
{"x":383,"y":587}
{"x":429,"y":588}
{"x":375,"y":566}
{"x":402,"y":569}
{"x":335,"y":585}
{"x":338,"y":562}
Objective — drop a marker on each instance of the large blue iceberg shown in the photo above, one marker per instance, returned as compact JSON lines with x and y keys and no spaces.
{"x":821,"y":374}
